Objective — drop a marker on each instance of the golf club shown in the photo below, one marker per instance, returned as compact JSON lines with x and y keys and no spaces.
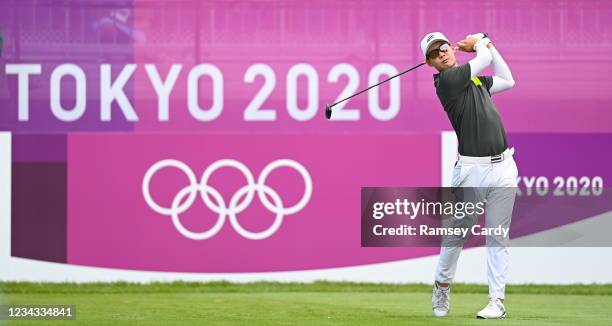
{"x":328,"y":107}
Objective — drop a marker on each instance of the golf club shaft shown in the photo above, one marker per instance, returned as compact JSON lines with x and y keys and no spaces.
{"x":384,"y":81}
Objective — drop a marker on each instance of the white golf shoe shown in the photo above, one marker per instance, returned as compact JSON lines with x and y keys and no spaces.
{"x":440,"y":301}
{"x":494,"y":310}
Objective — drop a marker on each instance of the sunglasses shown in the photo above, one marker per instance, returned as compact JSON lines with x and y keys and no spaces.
{"x":436,"y":52}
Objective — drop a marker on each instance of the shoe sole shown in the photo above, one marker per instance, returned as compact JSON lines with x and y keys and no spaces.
{"x":434,"y":314}
{"x":500,"y":317}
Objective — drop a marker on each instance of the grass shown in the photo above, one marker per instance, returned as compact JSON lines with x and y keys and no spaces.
{"x":319,"y":303}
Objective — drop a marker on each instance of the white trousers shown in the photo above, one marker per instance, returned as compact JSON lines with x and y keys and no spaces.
{"x":497,"y":185}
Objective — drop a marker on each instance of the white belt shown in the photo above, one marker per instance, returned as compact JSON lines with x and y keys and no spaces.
{"x":487,"y":159}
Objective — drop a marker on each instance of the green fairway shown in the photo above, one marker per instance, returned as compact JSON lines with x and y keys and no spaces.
{"x":319,"y":303}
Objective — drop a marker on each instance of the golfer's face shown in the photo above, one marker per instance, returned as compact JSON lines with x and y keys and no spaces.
{"x":443,"y":60}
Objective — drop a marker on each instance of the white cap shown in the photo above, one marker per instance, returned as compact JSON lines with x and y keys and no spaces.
{"x":430,"y":39}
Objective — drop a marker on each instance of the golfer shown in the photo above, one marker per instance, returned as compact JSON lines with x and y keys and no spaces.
{"x":485,"y":160}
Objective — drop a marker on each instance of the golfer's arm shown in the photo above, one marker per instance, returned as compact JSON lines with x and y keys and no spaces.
{"x":482,"y":60}
{"x":502,"y":77}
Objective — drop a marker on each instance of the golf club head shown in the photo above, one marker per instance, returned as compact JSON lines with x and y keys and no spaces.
{"x":328,"y":111}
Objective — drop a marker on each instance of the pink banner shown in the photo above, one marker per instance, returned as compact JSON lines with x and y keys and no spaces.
{"x":125,"y":189}
{"x":279,"y":62}
{"x":234,"y":90}
{"x":271,"y":66}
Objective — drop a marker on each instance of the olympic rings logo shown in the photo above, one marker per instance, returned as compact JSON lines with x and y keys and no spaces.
{"x":221,"y":207}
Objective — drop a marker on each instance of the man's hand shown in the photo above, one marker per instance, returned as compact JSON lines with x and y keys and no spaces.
{"x":467,"y":44}
{"x":479,"y":36}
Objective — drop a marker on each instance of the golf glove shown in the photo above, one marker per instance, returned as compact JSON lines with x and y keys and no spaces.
{"x":481,"y":36}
